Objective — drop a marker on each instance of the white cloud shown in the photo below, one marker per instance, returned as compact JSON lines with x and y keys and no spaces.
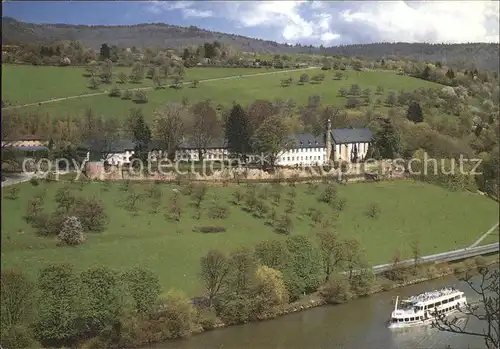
{"x":186,"y":7}
{"x":342,"y":22}
{"x":432,"y":21}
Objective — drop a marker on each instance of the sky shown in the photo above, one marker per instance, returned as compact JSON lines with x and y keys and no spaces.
{"x":306,"y":22}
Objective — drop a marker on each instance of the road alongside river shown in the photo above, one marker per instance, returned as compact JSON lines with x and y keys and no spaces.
{"x":359,"y":324}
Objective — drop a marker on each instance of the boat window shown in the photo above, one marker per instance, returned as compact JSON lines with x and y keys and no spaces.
{"x":457,"y":297}
{"x":406,"y":319}
{"x":437,"y":304}
{"x":445,"y":301}
{"x":421,"y":318}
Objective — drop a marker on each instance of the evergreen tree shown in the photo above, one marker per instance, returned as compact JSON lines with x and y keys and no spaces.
{"x":386,"y":141}
{"x":238,"y":132}
{"x":414,"y":112}
{"x":142,"y":137}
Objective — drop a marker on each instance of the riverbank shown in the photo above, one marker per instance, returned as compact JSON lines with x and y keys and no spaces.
{"x":426,"y":272}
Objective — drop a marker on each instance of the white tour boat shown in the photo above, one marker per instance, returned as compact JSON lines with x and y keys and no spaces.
{"x":421,"y":309}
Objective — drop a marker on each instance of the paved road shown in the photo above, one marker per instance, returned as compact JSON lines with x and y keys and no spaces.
{"x":478,"y":241}
{"x":54,"y":100}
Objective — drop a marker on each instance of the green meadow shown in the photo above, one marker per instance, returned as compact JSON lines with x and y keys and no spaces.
{"x":442,"y":220}
{"x":243,"y":90}
{"x":23,"y":84}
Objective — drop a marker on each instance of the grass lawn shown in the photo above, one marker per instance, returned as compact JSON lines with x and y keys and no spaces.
{"x":443,"y":220}
{"x":242,"y":90}
{"x":22,"y":84}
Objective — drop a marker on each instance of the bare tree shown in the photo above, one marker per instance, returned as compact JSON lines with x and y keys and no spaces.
{"x":169,"y":126}
{"x":204,"y":126}
{"x":215,"y":269}
{"x":487,"y":311}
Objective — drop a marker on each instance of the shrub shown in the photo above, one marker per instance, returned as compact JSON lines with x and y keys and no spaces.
{"x":210,"y":229}
{"x":179,"y":314}
{"x":352,"y":103}
{"x":459,"y":268}
{"x":284,"y":224}
{"x":218,"y":210}
{"x":91,"y":213}
{"x":480,"y":262}
{"x":205,"y":317}
{"x":470,"y":264}
{"x":13,"y":193}
{"x":141,"y":96}
{"x":16,"y":299}
{"x":144,"y":288}
{"x":336,"y":291}
{"x":71,"y":231}
{"x":115,"y":92}
{"x":127,"y":95}
{"x":373,"y":210}
{"x":16,"y":337}
{"x":34,"y":181}
{"x":235,"y":309}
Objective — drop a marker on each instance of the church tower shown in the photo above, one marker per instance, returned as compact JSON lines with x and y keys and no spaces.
{"x":328,"y":142}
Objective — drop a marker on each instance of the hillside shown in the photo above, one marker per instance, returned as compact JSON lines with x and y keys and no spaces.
{"x":481,"y":55}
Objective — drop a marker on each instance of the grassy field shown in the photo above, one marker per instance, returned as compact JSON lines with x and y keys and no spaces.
{"x":442,"y":220}
{"x":491,"y":238}
{"x":242,"y":90}
{"x":23,"y":84}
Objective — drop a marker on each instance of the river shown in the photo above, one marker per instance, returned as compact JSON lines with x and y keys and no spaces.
{"x":359,"y":324}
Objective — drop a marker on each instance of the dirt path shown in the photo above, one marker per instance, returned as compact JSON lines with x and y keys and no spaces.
{"x":478,"y":241}
{"x":54,"y":100}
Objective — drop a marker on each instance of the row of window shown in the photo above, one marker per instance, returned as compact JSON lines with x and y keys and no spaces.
{"x":310,"y":158}
{"x":437,"y":304}
{"x":307,"y":150}
{"x":420,"y":318}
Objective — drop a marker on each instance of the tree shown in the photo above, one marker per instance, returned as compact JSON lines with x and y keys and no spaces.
{"x":415,"y":250}
{"x":304,"y":78}
{"x":104,"y":52}
{"x":102,"y":298}
{"x":336,"y":291}
{"x":59,"y":307}
{"x":243,"y":267}
{"x":168,"y":126}
{"x":386,"y":140}
{"x":122,"y":77}
{"x":178,"y":314}
{"x":141,"y":96}
{"x":137,"y":73}
{"x":391,"y":99}
{"x":304,"y":264}
{"x":71,"y":231}
{"x":332,"y":251}
{"x":204,"y":126}
{"x":106,"y":71}
{"x":16,"y":298}
{"x":414,"y":112}
{"x":141,"y":135}
{"x":215,"y":268}
{"x":157,"y":79}
{"x":273,"y":253}
{"x":270,"y":292}
{"x":238,"y":132}
{"x":94,"y":83}
{"x":380,"y":90}
{"x":144,"y":288}
{"x":487,"y":289}
{"x":270,"y":139}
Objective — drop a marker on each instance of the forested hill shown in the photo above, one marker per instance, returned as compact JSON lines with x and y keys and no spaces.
{"x":481,"y":55}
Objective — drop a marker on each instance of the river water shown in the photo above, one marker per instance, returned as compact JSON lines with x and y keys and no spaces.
{"x":359,"y":324}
